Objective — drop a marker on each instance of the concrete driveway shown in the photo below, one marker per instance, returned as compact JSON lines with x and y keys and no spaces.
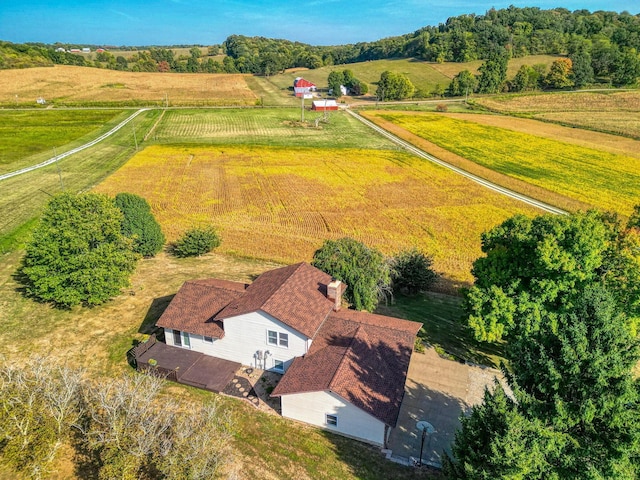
{"x":437,"y":391}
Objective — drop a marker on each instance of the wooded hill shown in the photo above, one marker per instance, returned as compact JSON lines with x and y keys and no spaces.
{"x":609,"y":38}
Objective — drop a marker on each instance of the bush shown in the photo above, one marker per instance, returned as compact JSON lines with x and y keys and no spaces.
{"x":139,"y":224}
{"x":196,"y":241}
{"x":441,"y":107}
{"x":411,"y":271}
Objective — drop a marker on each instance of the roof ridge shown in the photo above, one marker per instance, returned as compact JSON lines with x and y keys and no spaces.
{"x":280,"y":287}
{"x":344,"y":357}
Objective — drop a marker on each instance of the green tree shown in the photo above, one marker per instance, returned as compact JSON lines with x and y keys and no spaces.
{"x":497,"y":441}
{"x":412,"y":272}
{"x":78,"y":254}
{"x":626,"y":68}
{"x":493,"y":72}
{"x":364,"y":270}
{"x":139,"y":224}
{"x":335,"y":81}
{"x":527,"y":78}
{"x":560,"y":73}
{"x":394,"y":86}
{"x":582,"y":71}
{"x":535,"y":265}
{"x":196,"y":241}
{"x":462,"y":84}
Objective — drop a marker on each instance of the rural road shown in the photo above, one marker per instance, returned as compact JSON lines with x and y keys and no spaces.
{"x":481,"y":181}
{"x":75,"y":150}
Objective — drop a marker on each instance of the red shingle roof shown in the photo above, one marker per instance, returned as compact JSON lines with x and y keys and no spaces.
{"x":295,"y":295}
{"x":197,"y":302}
{"x":364,"y":358}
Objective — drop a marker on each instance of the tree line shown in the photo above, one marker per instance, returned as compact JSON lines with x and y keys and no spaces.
{"x":605,"y":36}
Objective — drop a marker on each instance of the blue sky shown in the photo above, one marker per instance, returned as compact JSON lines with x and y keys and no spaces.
{"x":168,"y":22}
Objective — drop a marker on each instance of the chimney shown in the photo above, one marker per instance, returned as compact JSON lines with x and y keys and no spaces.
{"x":334,"y":293}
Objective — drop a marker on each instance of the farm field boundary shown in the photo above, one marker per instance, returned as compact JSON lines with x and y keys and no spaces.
{"x":592,"y":177}
{"x":280,"y":203}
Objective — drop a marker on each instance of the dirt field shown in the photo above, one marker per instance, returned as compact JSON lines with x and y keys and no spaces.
{"x":73,"y":85}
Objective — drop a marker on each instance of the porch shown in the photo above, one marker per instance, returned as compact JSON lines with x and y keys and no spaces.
{"x":184,"y":366}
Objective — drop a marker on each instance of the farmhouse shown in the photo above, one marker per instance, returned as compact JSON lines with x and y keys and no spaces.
{"x":303,"y":87}
{"x":324,"y":105}
{"x":344,"y":370}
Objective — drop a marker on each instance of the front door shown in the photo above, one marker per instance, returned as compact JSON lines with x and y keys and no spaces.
{"x":177,"y":338}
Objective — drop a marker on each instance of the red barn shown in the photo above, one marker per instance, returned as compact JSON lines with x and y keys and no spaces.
{"x":302,"y":87}
{"x":324,"y":105}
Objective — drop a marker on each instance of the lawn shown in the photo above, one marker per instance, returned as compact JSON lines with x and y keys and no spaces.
{"x":595,"y":177}
{"x":25,"y":133}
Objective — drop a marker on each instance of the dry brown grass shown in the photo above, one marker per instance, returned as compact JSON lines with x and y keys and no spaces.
{"x":615,"y":112}
{"x":76,"y":85}
{"x":281,"y":203}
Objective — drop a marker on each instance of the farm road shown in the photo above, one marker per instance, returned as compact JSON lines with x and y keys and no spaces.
{"x":75,"y":150}
{"x":485,"y":183}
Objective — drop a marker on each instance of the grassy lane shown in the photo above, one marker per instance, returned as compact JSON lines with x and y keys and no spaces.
{"x":23,"y":197}
{"x":26,"y":133}
{"x":598,"y":178}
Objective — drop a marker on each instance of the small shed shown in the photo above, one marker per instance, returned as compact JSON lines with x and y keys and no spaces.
{"x":324,"y":105}
{"x":302,"y":87}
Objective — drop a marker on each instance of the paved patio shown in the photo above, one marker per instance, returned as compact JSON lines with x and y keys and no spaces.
{"x":188,"y":367}
{"x":437,"y":391}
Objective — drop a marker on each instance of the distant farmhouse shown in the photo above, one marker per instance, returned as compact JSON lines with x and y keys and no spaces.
{"x":303,"y":87}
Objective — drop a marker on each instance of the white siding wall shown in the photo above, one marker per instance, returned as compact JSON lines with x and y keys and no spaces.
{"x":245,"y":335}
{"x":312,"y":408}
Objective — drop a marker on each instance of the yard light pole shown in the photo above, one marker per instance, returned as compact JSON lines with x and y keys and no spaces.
{"x":425,"y":428}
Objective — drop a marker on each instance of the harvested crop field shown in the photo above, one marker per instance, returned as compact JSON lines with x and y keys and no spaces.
{"x":615,"y":112}
{"x":69,"y":85}
{"x":592,"y":177}
{"x":281,"y":203}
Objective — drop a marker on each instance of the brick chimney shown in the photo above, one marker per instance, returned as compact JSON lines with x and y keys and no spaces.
{"x":334,"y":293}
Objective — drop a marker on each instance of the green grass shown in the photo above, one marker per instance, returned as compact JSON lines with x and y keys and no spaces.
{"x":601,"y":179}
{"x":25,"y":133}
{"x":24,"y":196}
{"x":267,"y":126}
{"x":444,"y":327}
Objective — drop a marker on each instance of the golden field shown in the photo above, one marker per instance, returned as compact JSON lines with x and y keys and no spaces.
{"x":281,"y":203}
{"x":64,"y":84}
{"x":595,"y":178}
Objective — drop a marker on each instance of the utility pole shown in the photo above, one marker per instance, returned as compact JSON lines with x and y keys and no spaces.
{"x":134,"y":135}
{"x":59,"y":171}
{"x":302,"y":108}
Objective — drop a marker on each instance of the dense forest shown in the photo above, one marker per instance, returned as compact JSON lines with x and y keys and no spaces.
{"x":608,"y":40}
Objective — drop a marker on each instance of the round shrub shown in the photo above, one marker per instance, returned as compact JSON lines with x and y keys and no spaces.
{"x":196,"y":241}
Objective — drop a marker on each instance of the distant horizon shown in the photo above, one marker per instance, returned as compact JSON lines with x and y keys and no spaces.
{"x":127,"y":23}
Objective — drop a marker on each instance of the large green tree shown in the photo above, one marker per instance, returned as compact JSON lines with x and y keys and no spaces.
{"x":364,"y":270}
{"x":78,"y":253}
{"x":394,"y":86}
{"x":139,"y":224}
{"x":538,"y":265}
{"x":493,"y":72}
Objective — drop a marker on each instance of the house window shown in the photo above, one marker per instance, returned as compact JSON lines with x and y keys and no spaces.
{"x":278,"y":365}
{"x":186,"y":341}
{"x":208,"y":339}
{"x":331,"y":420}
{"x":278,"y":338}
{"x":177,"y":338}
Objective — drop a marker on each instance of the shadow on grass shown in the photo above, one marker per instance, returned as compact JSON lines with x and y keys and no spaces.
{"x":444,"y":327}
{"x":156,"y":309}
